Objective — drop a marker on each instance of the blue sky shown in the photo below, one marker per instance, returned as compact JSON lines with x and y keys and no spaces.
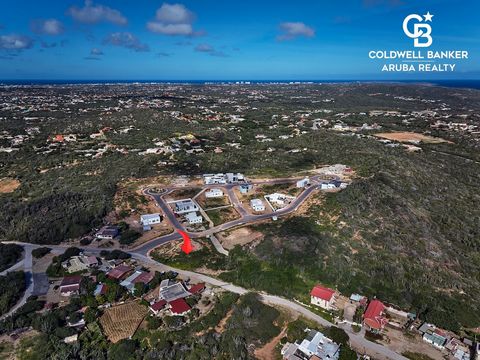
{"x":217,"y":40}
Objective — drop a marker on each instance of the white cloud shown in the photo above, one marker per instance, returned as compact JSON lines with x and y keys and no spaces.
{"x":47,"y":27}
{"x":126,"y":40}
{"x":170,"y":29}
{"x":174,"y":14}
{"x":96,"y":13}
{"x":15,"y":42}
{"x":173,"y":19}
{"x":96,"y":52}
{"x":292,"y":30}
{"x":209,"y":49}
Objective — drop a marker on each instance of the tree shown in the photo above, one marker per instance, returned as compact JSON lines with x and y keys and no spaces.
{"x":139,"y":289}
{"x":338,"y":335}
{"x":346,"y":353}
{"x":40,"y":252}
{"x":123,"y":350}
{"x":46,"y":323}
{"x":9,"y":255}
{"x":129,"y":236}
{"x":90,"y":315}
{"x":153,"y":322}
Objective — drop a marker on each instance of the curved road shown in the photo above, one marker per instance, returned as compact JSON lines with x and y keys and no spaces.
{"x":245,"y":217}
{"x":141,"y":253}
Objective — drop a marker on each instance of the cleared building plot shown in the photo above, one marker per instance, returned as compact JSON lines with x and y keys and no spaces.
{"x":121,"y":321}
{"x":410,"y":137}
{"x":207,"y":201}
{"x":223,"y":215}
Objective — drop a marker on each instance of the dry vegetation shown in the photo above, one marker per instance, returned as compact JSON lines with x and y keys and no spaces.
{"x":240,"y":236}
{"x":410,"y":137}
{"x":121,"y":322}
{"x":8,"y":185}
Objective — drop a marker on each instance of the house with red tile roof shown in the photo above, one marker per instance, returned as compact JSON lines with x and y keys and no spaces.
{"x":157,"y":306}
{"x":373,"y":318}
{"x":119,"y":272}
{"x":197,"y":288}
{"x":70,"y":285}
{"x":179,"y":307}
{"x":323,"y":297}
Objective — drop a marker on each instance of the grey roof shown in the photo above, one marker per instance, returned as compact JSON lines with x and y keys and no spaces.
{"x":173,"y":292}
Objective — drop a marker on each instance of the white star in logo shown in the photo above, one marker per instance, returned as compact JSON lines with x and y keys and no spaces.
{"x":428,"y":16}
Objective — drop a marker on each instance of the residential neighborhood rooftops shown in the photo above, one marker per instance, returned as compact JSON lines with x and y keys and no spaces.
{"x":101,"y":289}
{"x":138,"y":276}
{"x":158,"y":305}
{"x":315,"y":346}
{"x":71,"y":280}
{"x":107,"y":232}
{"x":150,"y":218}
{"x":195,"y":289}
{"x":373,"y":315}
{"x":173,"y":292}
{"x":322,"y":292}
{"x":179,"y":306}
{"x":119,"y":271}
{"x":70,"y":285}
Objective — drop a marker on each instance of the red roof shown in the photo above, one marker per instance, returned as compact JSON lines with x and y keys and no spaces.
{"x":179,"y":306}
{"x":373,"y":315}
{"x":119,"y":271}
{"x":197,"y":288}
{"x":159,"y":305}
{"x":144,"y":278}
{"x":71,"y":280}
{"x":64,"y":289}
{"x":323,"y":293}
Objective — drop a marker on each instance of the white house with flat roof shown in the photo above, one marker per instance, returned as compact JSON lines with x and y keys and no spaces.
{"x":228,"y":178}
{"x":303,"y":183}
{"x":185,"y":206}
{"x":257,"y":205}
{"x":327,"y":186}
{"x":193,"y":218}
{"x":150,"y":219}
{"x":214,"y":193}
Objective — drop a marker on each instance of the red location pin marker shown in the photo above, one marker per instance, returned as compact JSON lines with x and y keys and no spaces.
{"x":187,"y":244}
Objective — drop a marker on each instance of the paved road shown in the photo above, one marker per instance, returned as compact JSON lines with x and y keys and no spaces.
{"x":246,"y":218}
{"x":361,"y":344}
{"x":376,"y":351}
{"x":217,"y":245}
{"x":27,"y":268}
{"x":17,"y":266}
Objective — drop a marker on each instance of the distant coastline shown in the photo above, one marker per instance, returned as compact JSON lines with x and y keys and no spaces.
{"x":471,"y":84}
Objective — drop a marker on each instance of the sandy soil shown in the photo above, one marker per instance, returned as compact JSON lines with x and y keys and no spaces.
{"x":212,"y":203}
{"x":400,"y":343}
{"x":8,"y":185}
{"x":144,"y":205}
{"x":241,"y":236}
{"x":267,"y":352}
{"x":409,"y":137}
{"x":173,"y":248}
{"x":220,"y":328}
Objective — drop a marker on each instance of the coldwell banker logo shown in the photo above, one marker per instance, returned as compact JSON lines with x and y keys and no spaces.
{"x":419,"y":28}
